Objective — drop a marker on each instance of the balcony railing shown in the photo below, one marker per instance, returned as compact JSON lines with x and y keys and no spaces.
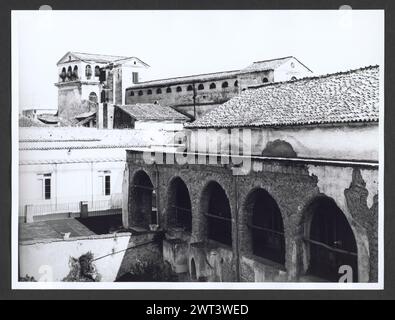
{"x":96,"y":207}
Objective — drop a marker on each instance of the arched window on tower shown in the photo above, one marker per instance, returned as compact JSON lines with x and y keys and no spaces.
{"x":265,"y":80}
{"x":236,"y":83}
{"x":69,"y":73}
{"x":189,"y":88}
{"x":140,"y":92}
{"x":179,"y":89}
{"x":63,"y":74}
{"x":97,"y":71}
{"x":149,"y":91}
{"x":225,"y":84}
{"x":168,"y":90}
{"x":158,"y":91}
{"x":213,"y":86}
{"x":75,"y":73}
{"x":131,"y":93}
{"x":201,"y":86}
{"x":88,"y":71}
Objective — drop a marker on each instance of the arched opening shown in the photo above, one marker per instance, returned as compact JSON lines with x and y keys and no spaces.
{"x":131,"y":93}
{"x":193,"y":270}
{"x":69,"y":73}
{"x":63,"y":74}
{"x":264,"y":80}
{"x":75,"y":73}
{"x":236,"y":84}
{"x":216,"y":208}
{"x":93,"y":97}
{"x":213,"y":86}
{"x":189,"y":88}
{"x":225,"y":84}
{"x":168,"y":90}
{"x":143,"y":201}
{"x":88,"y":71}
{"x":331,"y":241}
{"x":201,"y":87}
{"x":140,"y":93}
{"x":158,"y":91}
{"x":179,"y":205}
{"x":149,"y":91}
{"x":266,"y":226}
{"x":97,"y":71}
{"x":179,"y":89}
{"x":294,"y":78}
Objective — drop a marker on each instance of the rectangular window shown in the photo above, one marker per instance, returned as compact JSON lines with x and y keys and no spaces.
{"x":107,"y":185}
{"x":135,"y":76}
{"x":47,"y":188}
{"x":45,"y":181}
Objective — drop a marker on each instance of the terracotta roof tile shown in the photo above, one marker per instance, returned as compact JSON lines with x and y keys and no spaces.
{"x":351,"y":96}
{"x":152,"y":111}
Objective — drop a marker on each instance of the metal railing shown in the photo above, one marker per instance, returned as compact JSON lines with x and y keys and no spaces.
{"x":95,"y":207}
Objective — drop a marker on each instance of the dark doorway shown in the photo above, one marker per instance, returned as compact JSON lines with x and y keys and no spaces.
{"x":267,"y":229}
{"x":180,"y":214}
{"x":193,"y":270}
{"x":144,"y":210}
{"x":218,"y":214}
{"x":331,"y":241}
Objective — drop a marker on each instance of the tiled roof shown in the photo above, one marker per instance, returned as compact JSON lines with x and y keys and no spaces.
{"x":28,"y":122}
{"x":56,"y":138}
{"x":187,"y":79}
{"x":152,"y":111}
{"x":256,"y":66}
{"x":85,"y":114}
{"x":100,"y":58}
{"x":266,"y":64}
{"x":351,"y":96}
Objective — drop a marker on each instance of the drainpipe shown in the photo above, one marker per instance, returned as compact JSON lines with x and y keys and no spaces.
{"x":237,"y":230}
{"x":157,"y":193}
{"x":194,"y":101}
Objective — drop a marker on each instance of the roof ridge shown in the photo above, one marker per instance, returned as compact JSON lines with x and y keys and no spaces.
{"x":180,"y":77}
{"x":274,"y":59}
{"x":322,"y":76}
{"x":98,"y":54}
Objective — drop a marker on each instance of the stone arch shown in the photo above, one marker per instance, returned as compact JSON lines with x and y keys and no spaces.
{"x":329,"y":240}
{"x":213,"y":85}
{"x":179,"y":205}
{"x":201,"y":86}
{"x":215,"y":210}
{"x":142,"y":210}
{"x":263,"y":231}
{"x":225,"y":84}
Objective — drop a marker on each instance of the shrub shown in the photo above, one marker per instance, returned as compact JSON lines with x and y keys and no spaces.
{"x":82,"y":269}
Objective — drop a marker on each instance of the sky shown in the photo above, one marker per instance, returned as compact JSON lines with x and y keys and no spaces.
{"x":177,"y":43}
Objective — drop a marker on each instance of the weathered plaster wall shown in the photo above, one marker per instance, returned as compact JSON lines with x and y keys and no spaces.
{"x":69,"y":100}
{"x":341,"y":142}
{"x":49,"y":260}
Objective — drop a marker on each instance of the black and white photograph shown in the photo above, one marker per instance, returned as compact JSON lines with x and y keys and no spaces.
{"x":200,"y":149}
